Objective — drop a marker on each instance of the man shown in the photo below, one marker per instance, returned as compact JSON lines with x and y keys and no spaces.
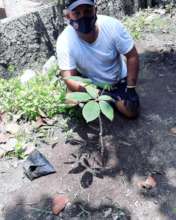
{"x":96,"y":47}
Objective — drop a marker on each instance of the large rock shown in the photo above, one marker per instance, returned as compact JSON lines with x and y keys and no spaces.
{"x":119,"y":8}
{"x":15,"y":8}
{"x":30,"y":39}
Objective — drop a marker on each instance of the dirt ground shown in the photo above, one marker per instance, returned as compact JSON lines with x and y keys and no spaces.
{"x":139,"y":147}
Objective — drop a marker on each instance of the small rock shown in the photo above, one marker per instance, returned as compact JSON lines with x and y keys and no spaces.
{"x":50,"y":63}
{"x":173,"y":130}
{"x":160,"y":11}
{"x":27,"y":75}
{"x":121,"y":173}
{"x":58,"y":203}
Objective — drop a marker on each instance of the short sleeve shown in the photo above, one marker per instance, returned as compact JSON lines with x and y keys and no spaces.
{"x":123,"y":40}
{"x":65,"y":57}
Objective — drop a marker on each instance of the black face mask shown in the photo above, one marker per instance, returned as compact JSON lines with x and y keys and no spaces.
{"x":84,"y":25}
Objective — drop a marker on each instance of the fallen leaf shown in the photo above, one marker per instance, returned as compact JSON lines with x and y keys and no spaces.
{"x":2,"y":153}
{"x":39,"y":122}
{"x":49,"y":121}
{"x":86,"y":180}
{"x":29,"y":148}
{"x":9,"y":146}
{"x":3,"y":138}
{"x":149,"y":183}
{"x":79,"y":169}
{"x":2,"y":116}
{"x":58,"y":203}
{"x":12,"y":128}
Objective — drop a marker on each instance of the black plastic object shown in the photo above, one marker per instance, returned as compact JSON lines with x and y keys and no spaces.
{"x":36,"y":165}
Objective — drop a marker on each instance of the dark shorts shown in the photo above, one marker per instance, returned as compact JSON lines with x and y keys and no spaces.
{"x":118,"y":90}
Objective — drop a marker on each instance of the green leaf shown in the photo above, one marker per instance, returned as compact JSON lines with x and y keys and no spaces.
{"x":105,"y":98}
{"x":106,"y":86}
{"x":107,"y":110}
{"x":78,"y":96}
{"x":79,"y":79}
{"x":91,"y":111}
{"x":93,"y":92}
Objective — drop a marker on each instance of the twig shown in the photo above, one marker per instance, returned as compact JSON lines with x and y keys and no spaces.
{"x":28,"y":204}
{"x":84,"y":210}
{"x":41,"y":210}
{"x":101,"y":139}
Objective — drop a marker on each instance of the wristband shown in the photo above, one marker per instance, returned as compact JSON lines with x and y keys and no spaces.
{"x":131,"y":87}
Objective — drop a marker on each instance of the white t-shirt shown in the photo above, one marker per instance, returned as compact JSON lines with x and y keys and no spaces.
{"x":102,"y":61}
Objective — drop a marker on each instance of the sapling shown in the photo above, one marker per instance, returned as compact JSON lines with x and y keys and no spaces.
{"x":94,"y":103}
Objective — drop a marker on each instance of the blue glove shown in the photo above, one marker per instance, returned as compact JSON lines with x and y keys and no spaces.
{"x":131,"y":100}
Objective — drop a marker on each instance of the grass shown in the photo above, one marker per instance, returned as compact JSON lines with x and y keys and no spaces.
{"x":42,"y":95}
{"x":145,"y":21}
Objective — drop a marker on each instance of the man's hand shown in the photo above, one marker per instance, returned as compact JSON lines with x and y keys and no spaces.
{"x":72,"y":85}
{"x":131,"y":100}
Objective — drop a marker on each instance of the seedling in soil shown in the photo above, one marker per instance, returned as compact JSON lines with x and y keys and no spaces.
{"x":93,"y":104}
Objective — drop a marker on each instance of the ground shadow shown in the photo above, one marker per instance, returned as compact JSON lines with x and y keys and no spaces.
{"x":144,"y":146}
{"x":77,"y":210}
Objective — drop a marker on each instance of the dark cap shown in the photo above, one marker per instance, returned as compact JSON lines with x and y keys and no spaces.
{"x":72,"y":4}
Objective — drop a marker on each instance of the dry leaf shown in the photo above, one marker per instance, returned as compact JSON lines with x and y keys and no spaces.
{"x":58,"y":203}
{"x":12,"y":128}
{"x":39,"y":122}
{"x":2,"y":116}
{"x":2,"y":153}
{"x":3,"y":138}
{"x":149,"y":183}
{"x":49,"y":121}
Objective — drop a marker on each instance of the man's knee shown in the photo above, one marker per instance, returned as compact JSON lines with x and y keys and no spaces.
{"x":125,"y":111}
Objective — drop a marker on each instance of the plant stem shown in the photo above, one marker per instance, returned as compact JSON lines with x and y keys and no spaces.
{"x":101,"y":139}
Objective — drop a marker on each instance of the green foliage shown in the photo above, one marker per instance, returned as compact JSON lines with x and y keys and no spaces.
{"x":19,"y":151}
{"x":93,"y":103}
{"x":11,"y":68}
{"x":107,"y":110}
{"x":43,"y":94}
{"x":144,"y":21}
{"x":104,"y":98}
{"x":92,"y":91}
{"x":78,"y":96}
{"x":79,"y":79}
{"x":91,"y":111}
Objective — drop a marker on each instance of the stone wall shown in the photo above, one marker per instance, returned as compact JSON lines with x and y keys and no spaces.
{"x":119,"y":8}
{"x":30,"y":39}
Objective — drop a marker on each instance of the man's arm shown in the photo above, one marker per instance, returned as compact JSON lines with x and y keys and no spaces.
{"x":132,"y":67}
{"x":71,"y":84}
